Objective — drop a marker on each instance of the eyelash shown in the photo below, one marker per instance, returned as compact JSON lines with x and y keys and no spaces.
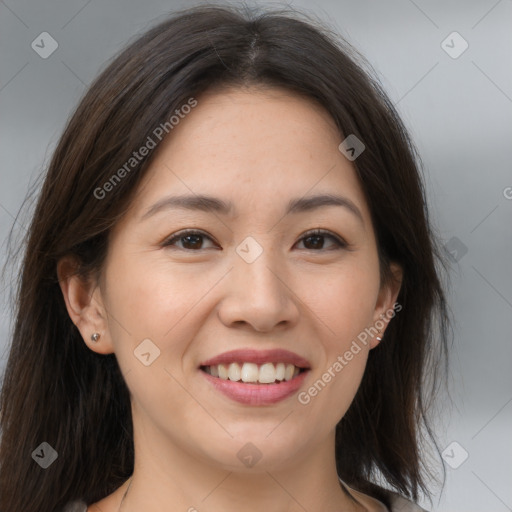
{"x":314,"y":232}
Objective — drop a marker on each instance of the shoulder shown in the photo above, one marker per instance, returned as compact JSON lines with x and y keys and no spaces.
{"x":397,"y":503}
{"x":75,"y":506}
{"x":401,"y":504}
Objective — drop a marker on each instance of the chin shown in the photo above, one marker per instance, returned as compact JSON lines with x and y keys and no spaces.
{"x":252,"y":449}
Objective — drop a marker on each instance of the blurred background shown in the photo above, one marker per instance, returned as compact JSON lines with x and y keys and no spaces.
{"x":447,"y":65}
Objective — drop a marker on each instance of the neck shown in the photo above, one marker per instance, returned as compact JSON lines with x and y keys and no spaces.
{"x":311,"y":484}
{"x":160,"y":478}
{"x":270,"y":495}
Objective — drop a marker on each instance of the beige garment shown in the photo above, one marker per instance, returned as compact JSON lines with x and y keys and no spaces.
{"x":398,"y":503}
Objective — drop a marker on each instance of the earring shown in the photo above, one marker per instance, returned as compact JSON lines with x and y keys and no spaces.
{"x":95,"y":336}
{"x":379,"y":338}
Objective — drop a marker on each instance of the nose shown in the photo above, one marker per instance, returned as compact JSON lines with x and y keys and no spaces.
{"x":258,"y":295}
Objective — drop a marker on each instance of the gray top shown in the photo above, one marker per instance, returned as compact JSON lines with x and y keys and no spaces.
{"x":398,"y":503}
{"x":75,"y":506}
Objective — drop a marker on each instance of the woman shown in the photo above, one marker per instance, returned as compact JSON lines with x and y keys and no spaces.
{"x":230,"y":296}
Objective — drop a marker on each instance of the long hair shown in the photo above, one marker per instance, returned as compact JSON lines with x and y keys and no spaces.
{"x":57,"y":391}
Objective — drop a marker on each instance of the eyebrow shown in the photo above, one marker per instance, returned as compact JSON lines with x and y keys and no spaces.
{"x":209,"y":203}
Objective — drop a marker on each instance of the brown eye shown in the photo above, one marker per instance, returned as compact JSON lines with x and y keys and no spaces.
{"x":191,"y":240}
{"x":315,"y":240}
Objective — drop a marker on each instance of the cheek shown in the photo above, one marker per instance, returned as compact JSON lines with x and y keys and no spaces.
{"x":332,"y":388}
{"x":344,"y":300}
{"x":148,"y":297}
{"x":151,"y":300}
{"x":344,"y":303}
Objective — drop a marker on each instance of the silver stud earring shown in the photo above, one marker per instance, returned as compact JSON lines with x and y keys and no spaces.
{"x":95,"y":336}
{"x":378,"y":338}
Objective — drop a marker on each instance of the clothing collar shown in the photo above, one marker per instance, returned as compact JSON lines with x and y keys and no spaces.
{"x":371,"y":504}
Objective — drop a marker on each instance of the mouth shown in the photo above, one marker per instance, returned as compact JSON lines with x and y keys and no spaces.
{"x":256,"y":377}
{"x":252,"y":373}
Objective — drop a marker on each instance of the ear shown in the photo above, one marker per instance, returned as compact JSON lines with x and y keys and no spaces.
{"x":84,"y":303}
{"x":388,"y":294}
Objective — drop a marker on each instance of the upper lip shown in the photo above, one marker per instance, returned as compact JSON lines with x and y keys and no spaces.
{"x":258,"y":357}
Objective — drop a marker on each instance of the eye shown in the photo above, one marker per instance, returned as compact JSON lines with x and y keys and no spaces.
{"x":316,"y":237}
{"x":192,"y":240}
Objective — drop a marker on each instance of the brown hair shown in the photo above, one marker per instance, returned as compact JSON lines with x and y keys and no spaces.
{"x":56,"y":390}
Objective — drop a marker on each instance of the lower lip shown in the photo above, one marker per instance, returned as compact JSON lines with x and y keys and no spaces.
{"x":257,"y":394}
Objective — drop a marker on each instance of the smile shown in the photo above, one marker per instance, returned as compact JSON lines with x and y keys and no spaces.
{"x":256,"y":377}
{"x":258,"y":393}
{"x":267,"y":373}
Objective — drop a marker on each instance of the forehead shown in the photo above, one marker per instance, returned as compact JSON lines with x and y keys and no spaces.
{"x":253,"y":147}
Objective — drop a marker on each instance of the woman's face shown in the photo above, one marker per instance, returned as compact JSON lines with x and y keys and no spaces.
{"x":250,"y":278}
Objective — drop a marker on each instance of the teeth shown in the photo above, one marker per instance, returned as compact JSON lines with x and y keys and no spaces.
{"x":288,"y":374}
{"x":250,"y":372}
{"x":280,"y":371}
{"x":223,"y":372}
{"x":267,"y":373}
{"x":234,"y":371}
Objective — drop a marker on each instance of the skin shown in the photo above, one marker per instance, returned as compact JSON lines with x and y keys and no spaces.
{"x":258,"y":148}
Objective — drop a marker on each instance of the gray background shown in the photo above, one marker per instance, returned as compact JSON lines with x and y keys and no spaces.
{"x":459,"y":113}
